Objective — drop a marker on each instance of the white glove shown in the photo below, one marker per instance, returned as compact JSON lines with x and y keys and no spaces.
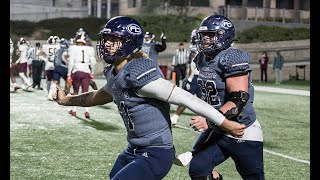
{"x":162,"y":36}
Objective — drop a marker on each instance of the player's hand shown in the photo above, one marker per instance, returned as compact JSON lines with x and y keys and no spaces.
{"x":60,"y":96}
{"x":69,"y":79}
{"x":91,"y":76}
{"x":186,"y":84}
{"x":233,"y":128}
{"x":162,"y":36}
{"x":198,"y":123}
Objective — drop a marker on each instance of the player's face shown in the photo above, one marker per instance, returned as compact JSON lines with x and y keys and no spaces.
{"x":147,"y":39}
{"x":210,"y":38}
{"x":112,"y":44}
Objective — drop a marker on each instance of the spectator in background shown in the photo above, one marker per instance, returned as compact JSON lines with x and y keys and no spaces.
{"x":152,"y":47}
{"x":179,"y":63}
{"x":264,"y":66}
{"x":277,"y":66}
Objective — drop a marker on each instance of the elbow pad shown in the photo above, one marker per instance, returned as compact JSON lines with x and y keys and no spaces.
{"x":240,"y":98}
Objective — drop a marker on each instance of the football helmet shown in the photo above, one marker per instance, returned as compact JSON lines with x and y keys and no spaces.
{"x":64,"y":43}
{"x":81,"y":37}
{"x":193,"y":37}
{"x":128,"y":31}
{"x":215,"y":33}
{"x":57,"y":39}
{"x":150,"y":37}
{"x":22,"y":41}
{"x":81,"y":30}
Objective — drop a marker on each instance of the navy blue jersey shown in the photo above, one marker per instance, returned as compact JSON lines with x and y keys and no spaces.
{"x":147,"y":119}
{"x":212,"y":76}
{"x":58,"y":57}
{"x":149,"y":49}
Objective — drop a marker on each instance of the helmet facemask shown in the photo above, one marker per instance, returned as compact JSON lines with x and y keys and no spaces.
{"x":111,"y":47}
{"x":210,"y":41}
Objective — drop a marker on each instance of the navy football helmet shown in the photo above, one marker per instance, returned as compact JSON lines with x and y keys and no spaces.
{"x":215,"y":33}
{"x":64,"y":43}
{"x":130,"y":33}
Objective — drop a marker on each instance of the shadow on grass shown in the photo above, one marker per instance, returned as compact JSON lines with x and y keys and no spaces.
{"x":104,"y":107}
{"x":98,"y":125}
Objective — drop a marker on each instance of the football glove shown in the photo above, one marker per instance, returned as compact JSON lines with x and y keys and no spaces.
{"x":91,"y":76}
{"x":186,"y":84}
{"x":69,"y":79}
{"x":162,"y":36}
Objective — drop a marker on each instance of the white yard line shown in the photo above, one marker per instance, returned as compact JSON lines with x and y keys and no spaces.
{"x":265,"y":150}
{"x":282,"y":90}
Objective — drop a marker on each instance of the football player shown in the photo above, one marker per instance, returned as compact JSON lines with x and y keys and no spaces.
{"x":81,"y":67}
{"x":12,"y":77}
{"x":225,"y":81}
{"x":89,"y":43}
{"x":61,"y":65}
{"x":23,"y":63}
{"x":152,"y":47}
{"x":137,"y":86}
{"x":47,"y":54}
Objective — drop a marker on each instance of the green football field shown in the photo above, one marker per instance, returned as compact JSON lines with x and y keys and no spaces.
{"x":47,"y":143}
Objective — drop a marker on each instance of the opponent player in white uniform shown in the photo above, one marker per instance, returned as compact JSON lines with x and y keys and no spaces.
{"x":12,"y":77}
{"x":81,"y":67}
{"x":23,"y":63}
{"x":47,"y":54}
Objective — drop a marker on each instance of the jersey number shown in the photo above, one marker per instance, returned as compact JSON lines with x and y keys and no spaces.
{"x":51,"y":53}
{"x":82,"y":56}
{"x":209,"y":92}
{"x":126,"y":116}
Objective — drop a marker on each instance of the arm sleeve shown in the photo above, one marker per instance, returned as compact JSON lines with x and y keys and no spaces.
{"x":166,"y":91}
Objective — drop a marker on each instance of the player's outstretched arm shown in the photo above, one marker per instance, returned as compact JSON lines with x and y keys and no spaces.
{"x":93,"y":98}
{"x":166,"y":91}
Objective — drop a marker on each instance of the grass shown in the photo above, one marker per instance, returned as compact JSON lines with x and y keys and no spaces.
{"x":47,"y":143}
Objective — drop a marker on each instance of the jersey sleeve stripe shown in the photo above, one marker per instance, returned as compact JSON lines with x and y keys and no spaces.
{"x":241,"y":64}
{"x":143,"y":74}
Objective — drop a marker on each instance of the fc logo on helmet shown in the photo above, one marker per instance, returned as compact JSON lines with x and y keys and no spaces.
{"x":134,"y":29}
{"x":225,"y":24}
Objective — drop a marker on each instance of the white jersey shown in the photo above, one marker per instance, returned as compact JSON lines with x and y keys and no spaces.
{"x":80,"y":58}
{"x":11,"y":51}
{"x":23,"y":49}
{"x":50,"y":51}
